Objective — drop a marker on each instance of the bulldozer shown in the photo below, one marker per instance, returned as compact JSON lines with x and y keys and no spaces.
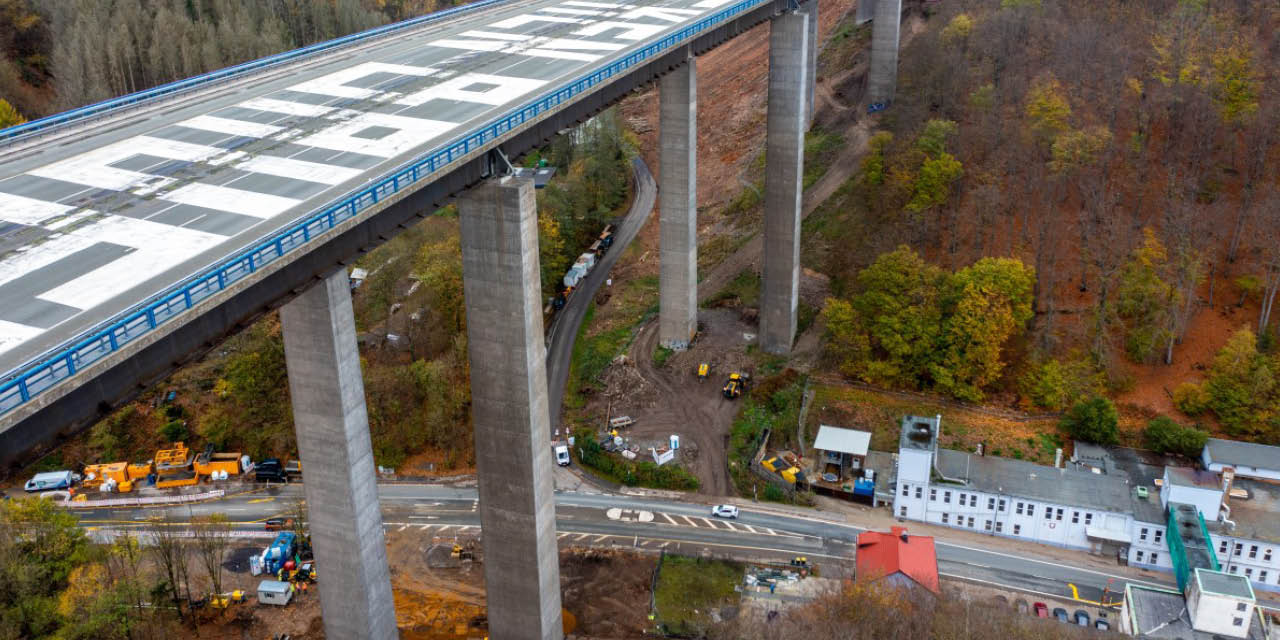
{"x":703,"y":370}
{"x":735,"y":385}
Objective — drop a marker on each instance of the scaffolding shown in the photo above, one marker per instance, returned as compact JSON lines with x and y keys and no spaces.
{"x":1189,"y":546}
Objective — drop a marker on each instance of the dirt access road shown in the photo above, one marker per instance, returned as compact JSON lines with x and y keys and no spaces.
{"x":669,"y":399}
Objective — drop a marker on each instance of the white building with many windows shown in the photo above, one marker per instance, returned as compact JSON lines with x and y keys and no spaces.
{"x":1113,"y":503}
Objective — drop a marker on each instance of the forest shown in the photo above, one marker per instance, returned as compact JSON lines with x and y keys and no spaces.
{"x":60,"y":54}
{"x":1135,"y":187}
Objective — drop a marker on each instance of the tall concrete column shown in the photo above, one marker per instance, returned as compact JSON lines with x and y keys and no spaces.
{"x":866,"y":11}
{"x":333,"y":442}
{"x":678,"y":206}
{"x":783,"y":186}
{"x":502,"y":286}
{"x":883,"y":81}
{"x":811,"y":85}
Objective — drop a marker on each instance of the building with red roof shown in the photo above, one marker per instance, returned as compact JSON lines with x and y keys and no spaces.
{"x":898,"y":558}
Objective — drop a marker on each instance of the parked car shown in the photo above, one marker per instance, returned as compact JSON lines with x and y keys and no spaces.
{"x":724,"y":511}
{"x":279,"y":524}
{"x":1082,"y":618}
{"x":270,"y":470}
{"x":1041,"y":609}
{"x":51,"y":480}
{"x":1061,"y":615}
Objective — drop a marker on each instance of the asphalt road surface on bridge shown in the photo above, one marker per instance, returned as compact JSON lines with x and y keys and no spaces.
{"x":94,"y":223}
{"x":590,"y":518}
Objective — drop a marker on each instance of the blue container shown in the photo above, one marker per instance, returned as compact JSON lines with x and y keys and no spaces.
{"x":864,"y":487}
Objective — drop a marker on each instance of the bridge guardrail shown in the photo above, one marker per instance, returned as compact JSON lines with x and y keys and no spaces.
{"x":37,"y":376}
{"x":213,"y":77}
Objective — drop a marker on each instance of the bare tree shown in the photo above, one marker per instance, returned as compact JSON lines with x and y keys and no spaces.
{"x":169,"y":549}
{"x":211,"y":536}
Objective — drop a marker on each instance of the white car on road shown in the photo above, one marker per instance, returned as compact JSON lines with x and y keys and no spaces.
{"x":725,"y":511}
{"x":562,"y":455}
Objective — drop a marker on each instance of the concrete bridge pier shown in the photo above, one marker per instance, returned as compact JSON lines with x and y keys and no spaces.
{"x":866,"y":11}
{"x":811,"y":9}
{"x":678,"y":206}
{"x":883,"y":80}
{"x":784,"y":174}
{"x":503,"y":291}
{"x":329,"y":415}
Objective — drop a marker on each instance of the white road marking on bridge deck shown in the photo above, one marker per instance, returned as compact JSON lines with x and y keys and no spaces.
{"x":670,"y":520}
{"x":13,"y":334}
{"x":230,"y":127}
{"x":298,"y":169}
{"x":335,"y":84}
{"x":750,"y":528}
{"x":571,"y":12}
{"x":594,"y":5}
{"x":159,"y":247}
{"x":495,"y":90}
{"x":29,"y":211}
{"x":245,"y":203}
{"x":691,"y":522}
{"x":286,"y":107}
{"x":411,"y":133}
{"x":629,"y":30}
{"x":709,"y":523}
{"x":771,"y":531}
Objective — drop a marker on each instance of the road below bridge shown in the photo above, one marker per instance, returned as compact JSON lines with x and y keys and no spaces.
{"x":649,"y":523}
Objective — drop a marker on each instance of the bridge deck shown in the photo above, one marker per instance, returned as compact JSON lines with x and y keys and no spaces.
{"x":97,"y":223}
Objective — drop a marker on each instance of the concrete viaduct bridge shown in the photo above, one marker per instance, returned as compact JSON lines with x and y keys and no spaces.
{"x":141,"y":230}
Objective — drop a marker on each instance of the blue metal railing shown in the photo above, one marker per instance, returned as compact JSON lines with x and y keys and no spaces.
{"x":106,"y":106}
{"x":41,"y":374}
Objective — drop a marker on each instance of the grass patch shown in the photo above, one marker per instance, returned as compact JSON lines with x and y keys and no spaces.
{"x":820,"y":149}
{"x":774,"y":405}
{"x":1033,"y":438}
{"x":661,"y":354}
{"x":591,"y":355}
{"x":742,"y":291}
{"x":638,"y":473}
{"x":688,"y":587}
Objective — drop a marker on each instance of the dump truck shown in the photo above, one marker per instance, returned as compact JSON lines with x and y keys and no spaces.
{"x":210,"y":463}
{"x":735,"y":385}
{"x":173,"y":467}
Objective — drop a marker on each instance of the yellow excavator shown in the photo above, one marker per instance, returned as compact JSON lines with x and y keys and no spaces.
{"x":735,"y":385}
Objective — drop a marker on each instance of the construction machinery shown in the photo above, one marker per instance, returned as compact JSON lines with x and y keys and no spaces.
{"x":735,"y":385}
{"x":464,"y":553}
{"x":703,"y":370}
{"x":173,"y":467}
{"x":214,"y":465}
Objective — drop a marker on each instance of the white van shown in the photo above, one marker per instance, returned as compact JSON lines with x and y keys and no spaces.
{"x":562,"y":455}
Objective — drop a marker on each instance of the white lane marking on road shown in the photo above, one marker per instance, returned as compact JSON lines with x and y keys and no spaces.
{"x":245,"y":203}
{"x":663,"y":545}
{"x":230,"y":127}
{"x":424,"y":527}
{"x":1052,"y":564}
{"x":593,"y":5}
{"x":771,"y":531}
{"x":403,"y":527}
{"x":629,"y":30}
{"x":425,"y":517}
{"x":580,"y":536}
{"x":669,"y":519}
{"x":750,"y":528}
{"x":443,"y":528}
{"x":601,"y":538}
{"x":561,"y":535}
{"x":730,"y":525}
{"x":691,"y":522}
{"x":709,"y":523}
{"x":521,"y":20}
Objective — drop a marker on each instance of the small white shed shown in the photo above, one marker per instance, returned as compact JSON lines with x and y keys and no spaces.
{"x":275,"y":592}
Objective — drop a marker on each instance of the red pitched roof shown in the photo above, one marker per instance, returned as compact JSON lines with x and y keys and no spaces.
{"x":884,"y":554}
